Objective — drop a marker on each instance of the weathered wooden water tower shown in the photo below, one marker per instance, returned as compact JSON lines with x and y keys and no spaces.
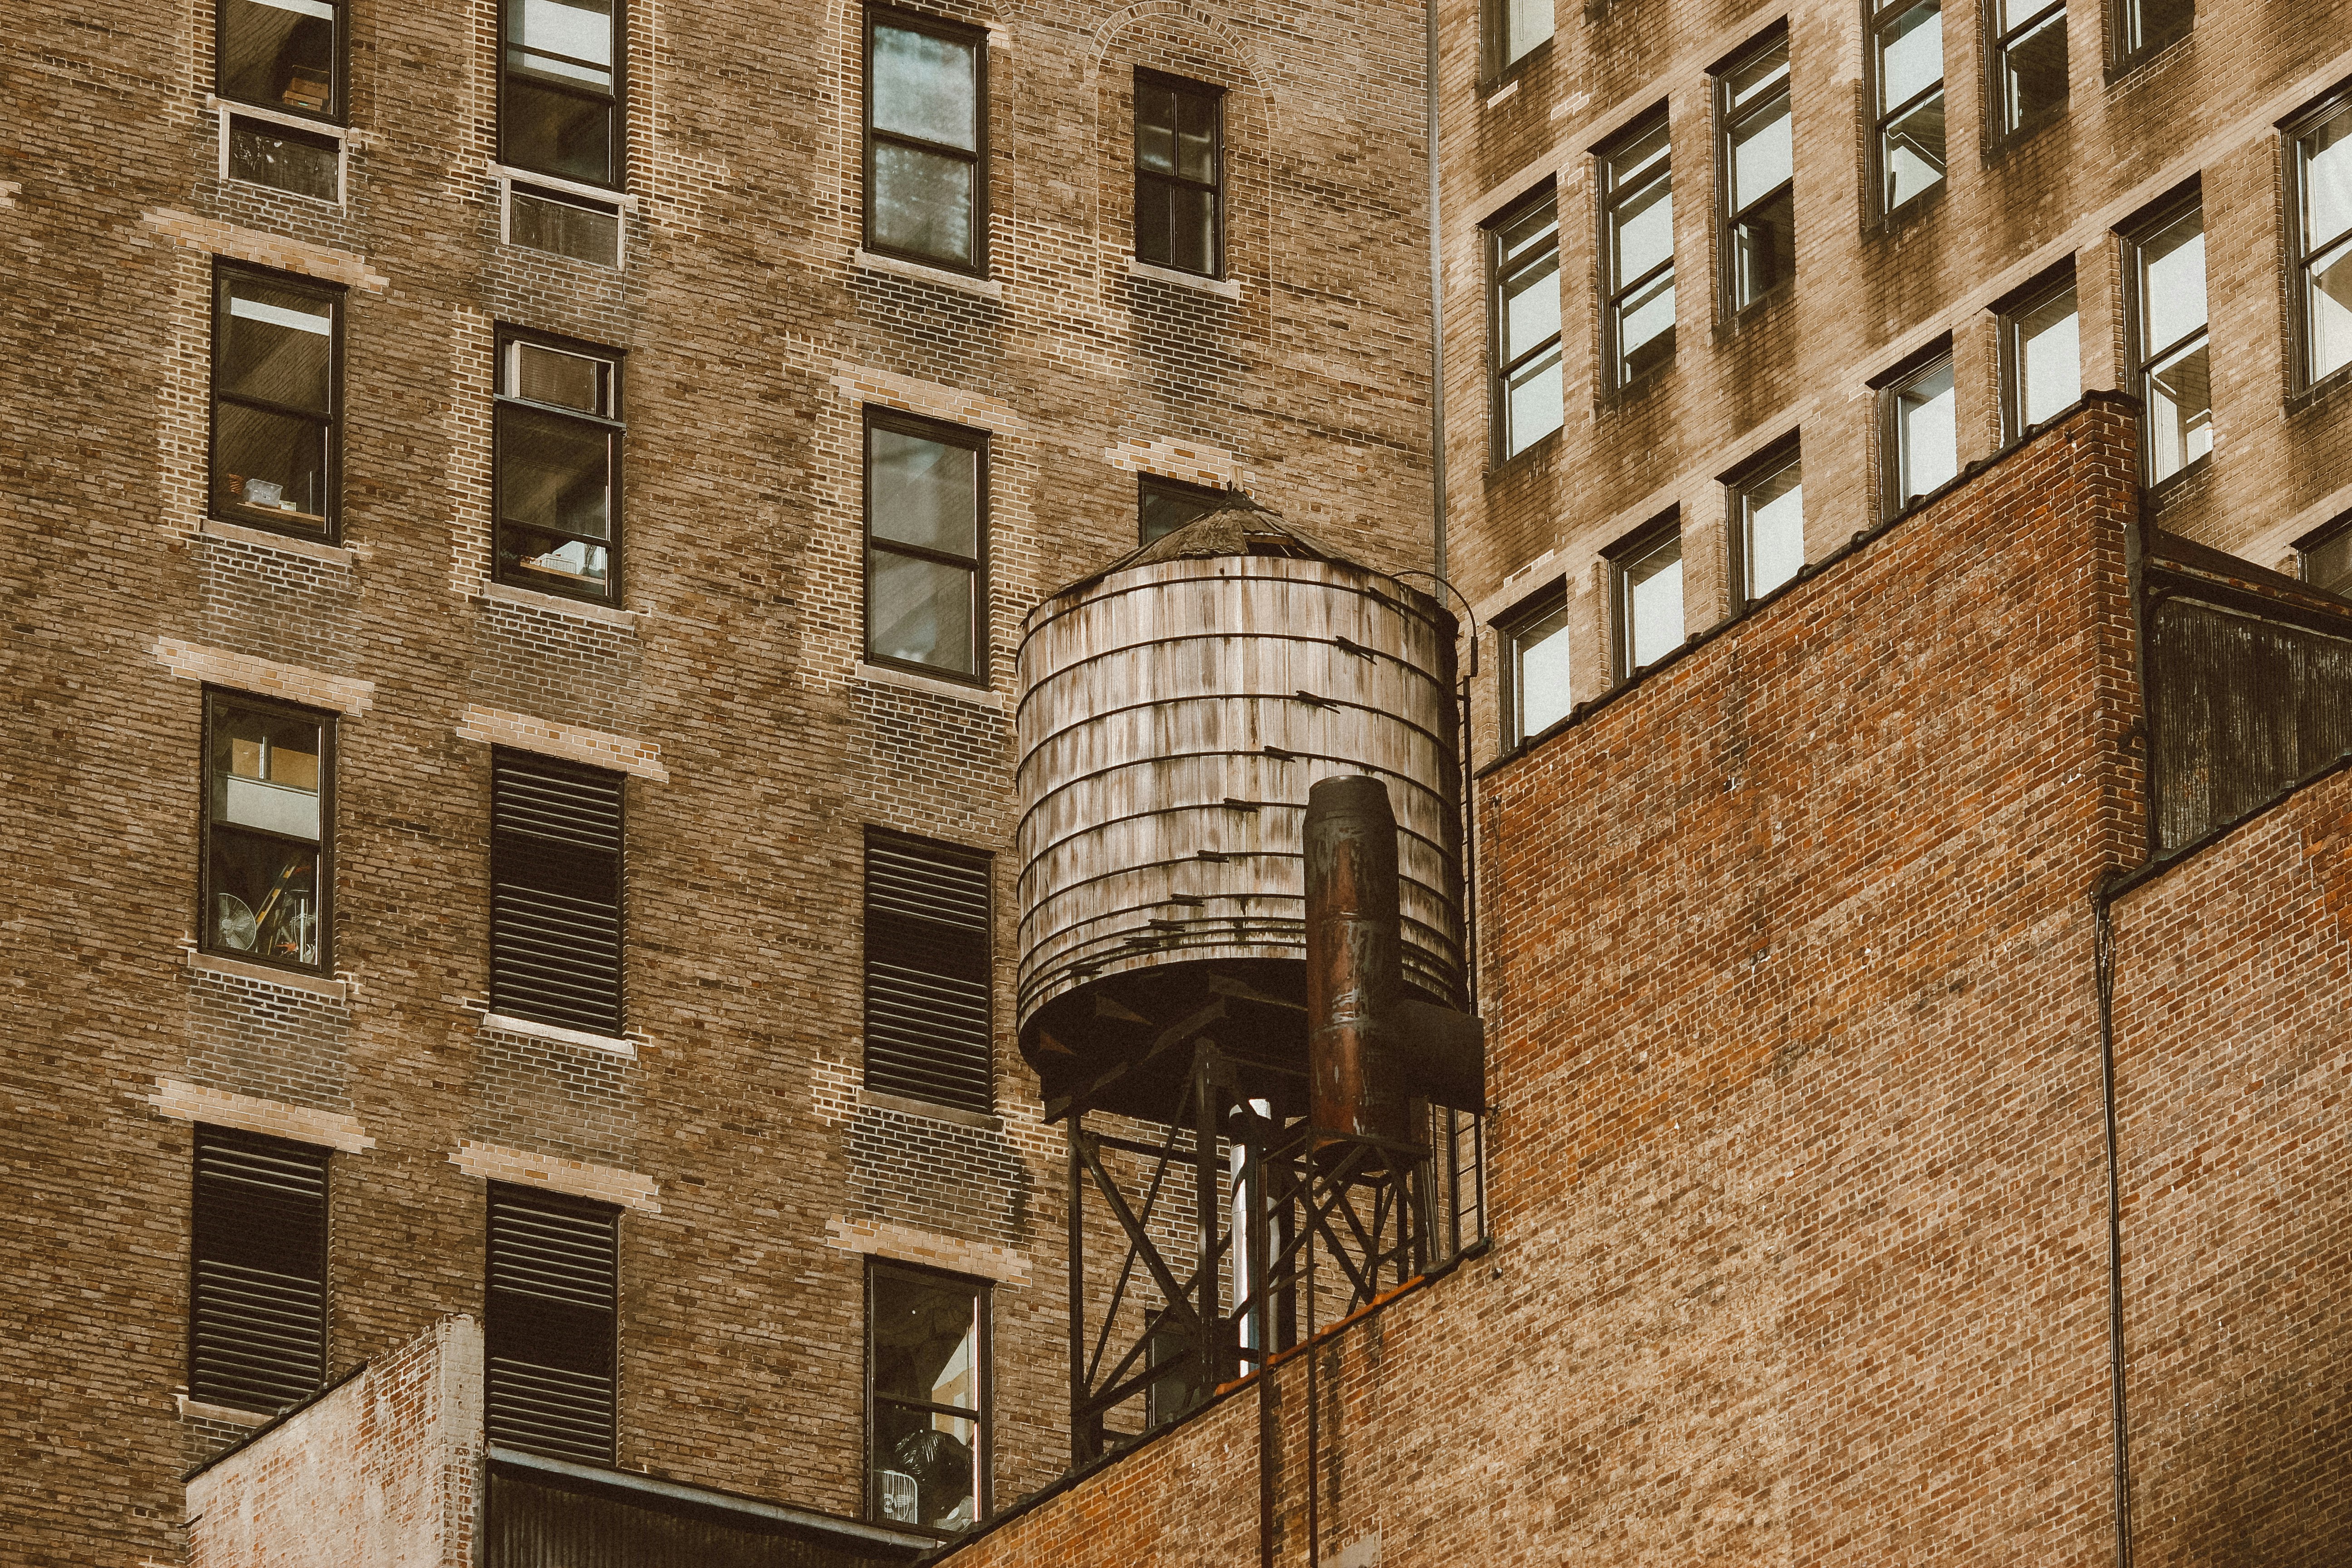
{"x":1176,"y":710}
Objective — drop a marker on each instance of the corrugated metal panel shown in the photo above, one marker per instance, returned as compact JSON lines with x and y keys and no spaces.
{"x":257,"y":1322}
{"x":553,"y":1278}
{"x":927,"y":1013}
{"x":2242,"y":708}
{"x":536,"y":1523}
{"x":555,"y":901}
{"x":1173,"y":716}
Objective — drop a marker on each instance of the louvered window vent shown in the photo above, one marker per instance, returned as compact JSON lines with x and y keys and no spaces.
{"x":549,"y":1311}
{"x":926,"y":971}
{"x":555,"y":898}
{"x":257,"y":1319}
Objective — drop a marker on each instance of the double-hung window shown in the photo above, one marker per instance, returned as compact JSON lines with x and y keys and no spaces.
{"x":556,"y":892}
{"x":1768,"y":522}
{"x":1760,"y":215}
{"x":558,"y":99}
{"x":1514,"y":28}
{"x":550,"y":1317}
{"x":1536,"y":641}
{"x":286,"y":59}
{"x":1918,"y":430}
{"x":1645,"y":571}
{"x":2027,"y":81}
{"x":1906,"y":47}
{"x":2320,"y":219}
{"x":558,"y":447}
{"x":268,"y":820}
{"x":1637,"y":247}
{"x":257,"y":1271}
{"x":2171,"y":362}
{"x":1163,"y":506}
{"x":927,"y":1415}
{"x":926,"y":534}
{"x":1179,"y":174}
{"x":277,"y":400}
{"x":925,"y":140}
{"x":2041,"y":354}
{"x":930,"y":1015}
{"x":2326,"y":556}
{"x":1523,"y":248}
{"x":2144,"y":26}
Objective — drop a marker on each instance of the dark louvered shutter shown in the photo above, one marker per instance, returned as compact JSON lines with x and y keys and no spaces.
{"x":258,"y":1318}
{"x":554,"y":1271}
{"x":555,"y":897}
{"x":927,"y":980}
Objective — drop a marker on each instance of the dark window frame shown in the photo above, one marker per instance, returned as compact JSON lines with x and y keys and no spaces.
{"x":2132,"y":236}
{"x":224,"y":270}
{"x":2298,"y":248}
{"x":1999,"y":133}
{"x":1498,"y":418}
{"x":2020,"y":302}
{"x":342,"y":69}
{"x":547,"y":1200}
{"x":1512,"y":628}
{"x":615,"y":425}
{"x":1727,"y":122}
{"x":2124,"y":56}
{"x":978,"y":157}
{"x":1893,"y":481}
{"x":216,"y":697}
{"x":508,"y":1005}
{"x":2336,"y":530}
{"x":1183,"y":86}
{"x":1879,"y":17}
{"x":1621,"y":557}
{"x":618,"y":99}
{"x":199,"y":1390}
{"x":1741,"y":482}
{"x":1494,"y":68}
{"x":984,"y":1417}
{"x":1607,"y":200}
{"x":1178,"y":489}
{"x":978,"y":441}
{"x":940,"y":849}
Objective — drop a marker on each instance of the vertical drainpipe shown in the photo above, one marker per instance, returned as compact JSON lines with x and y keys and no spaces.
{"x":1436,"y":318}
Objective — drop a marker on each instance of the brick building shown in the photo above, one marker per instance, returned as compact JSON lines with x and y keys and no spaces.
{"x":1910,"y":928}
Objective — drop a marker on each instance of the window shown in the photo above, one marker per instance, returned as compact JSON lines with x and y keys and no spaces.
{"x":1767,"y":523}
{"x":1163,"y":506}
{"x":926,"y":526}
{"x":563,"y":223}
{"x":1907,"y":54}
{"x":1637,"y":244}
{"x":276,"y":401}
{"x":1524,"y":245}
{"x":1536,"y":638}
{"x":2041,"y":355}
{"x":299,"y":163}
{"x":282,"y":55}
{"x":1918,"y":432}
{"x":2172,"y":368}
{"x":2144,"y":26}
{"x":1514,"y":28}
{"x":1646,"y":572}
{"x":928,"y":1018}
{"x":2327,"y":557}
{"x":1179,"y":174}
{"x":1759,"y":220}
{"x":927,"y":1439}
{"x":257,"y":1272}
{"x":268,"y":810}
{"x":559,"y":441}
{"x":549,"y":1305}
{"x":2027,"y":82}
{"x":2320,"y":216}
{"x":925,"y":140}
{"x":556,"y":892}
{"x":558,"y":100}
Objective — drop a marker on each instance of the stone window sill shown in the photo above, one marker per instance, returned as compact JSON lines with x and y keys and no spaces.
{"x":287,"y":979}
{"x":986,"y":288}
{"x":557,"y":604}
{"x":1227,"y":289}
{"x":924,"y":1107}
{"x":196,"y":1410}
{"x":262,"y":539}
{"x":978,"y":696}
{"x":508,"y":1024}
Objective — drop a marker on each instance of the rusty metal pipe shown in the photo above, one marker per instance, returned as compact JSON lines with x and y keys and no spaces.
{"x":1354,"y":957}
